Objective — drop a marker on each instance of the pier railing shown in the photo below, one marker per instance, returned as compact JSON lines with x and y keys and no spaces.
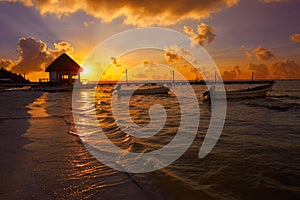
{"x":112,"y":83}
{"x":194,"y":82}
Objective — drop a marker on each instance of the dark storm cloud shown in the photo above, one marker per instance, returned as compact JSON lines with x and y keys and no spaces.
{"x":34,"y":55}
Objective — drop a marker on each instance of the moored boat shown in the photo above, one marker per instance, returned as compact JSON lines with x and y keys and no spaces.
{"x":255,"y":92}
{"x":146,"y":89}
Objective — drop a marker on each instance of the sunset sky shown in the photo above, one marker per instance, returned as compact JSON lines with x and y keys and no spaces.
{"x":241,"y":36}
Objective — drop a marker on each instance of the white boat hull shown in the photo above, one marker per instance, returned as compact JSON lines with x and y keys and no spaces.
{"x":146,"y":91}
{"x":240,"y":95}
{"x":260,"y":91}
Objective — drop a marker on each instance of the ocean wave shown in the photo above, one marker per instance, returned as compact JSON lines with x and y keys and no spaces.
{"x":279,"y":106}
{"x":285,"y":96}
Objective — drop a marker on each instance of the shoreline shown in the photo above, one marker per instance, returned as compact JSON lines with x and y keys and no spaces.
{"x":43,"y":161}
{"x":15,"y":165}
{"x":40,"y":160}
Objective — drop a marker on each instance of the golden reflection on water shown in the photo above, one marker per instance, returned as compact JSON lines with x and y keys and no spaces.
{"x":63,"y":168}
{"x":66,"y":170}
{"x":139,"y":107}
{"x":37,"y":108}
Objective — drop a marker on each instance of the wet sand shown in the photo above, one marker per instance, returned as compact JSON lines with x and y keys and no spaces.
{"x":16,"y":177}
{"x":39,"y":160}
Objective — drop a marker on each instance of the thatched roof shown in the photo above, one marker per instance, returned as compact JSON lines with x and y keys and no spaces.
{"x":63,"y":63}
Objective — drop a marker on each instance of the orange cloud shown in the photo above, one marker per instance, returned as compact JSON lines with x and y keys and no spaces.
{"x":285,"y":69}
{"x":134,"y":12}
{"x":261,"y":71}
{"x":6,"y":64}
{"x":139,"y":75}
{"x":172,"y":56}
{"x":34,"y":55}
{"x":160,"y":77}
{"x":115,"y":62}
{"x":62,"y":47}
{"x":262,"y":54}
{"x":193,"y":73}
{"x":175,"y":54}
{"x":248,"y":55}
{"x":295,"y":38}
{"x":205,"y":34}
{"x":248,"y":52}
{"x":232,"y":74}
{"x":147,"y":62}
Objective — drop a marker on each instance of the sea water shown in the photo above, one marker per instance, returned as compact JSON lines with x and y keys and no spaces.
{"x":256,"y":157}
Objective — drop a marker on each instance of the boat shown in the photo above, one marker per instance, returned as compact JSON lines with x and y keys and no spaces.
{"x":255,"y":92}
{"x":147,"y":89}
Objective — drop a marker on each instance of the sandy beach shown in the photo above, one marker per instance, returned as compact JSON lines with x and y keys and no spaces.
{"x":40,"y":160}
{"x":16,"y":163}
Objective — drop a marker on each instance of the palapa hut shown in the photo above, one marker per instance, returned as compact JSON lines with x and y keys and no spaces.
{"x":64,"y":70}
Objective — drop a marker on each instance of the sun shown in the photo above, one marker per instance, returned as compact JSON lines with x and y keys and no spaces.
{"x":85,"y":74}
{"x":85,"y":71}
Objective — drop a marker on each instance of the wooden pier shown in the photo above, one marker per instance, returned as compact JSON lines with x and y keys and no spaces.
{"x":137,"y":83}
{"x":199,"y":82}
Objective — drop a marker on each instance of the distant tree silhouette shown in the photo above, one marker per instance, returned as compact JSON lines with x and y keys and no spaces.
{"x":12,"y":77}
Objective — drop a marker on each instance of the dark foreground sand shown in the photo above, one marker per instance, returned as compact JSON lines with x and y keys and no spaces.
{"x":16,"y":164}
{"x":39,"y":160}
